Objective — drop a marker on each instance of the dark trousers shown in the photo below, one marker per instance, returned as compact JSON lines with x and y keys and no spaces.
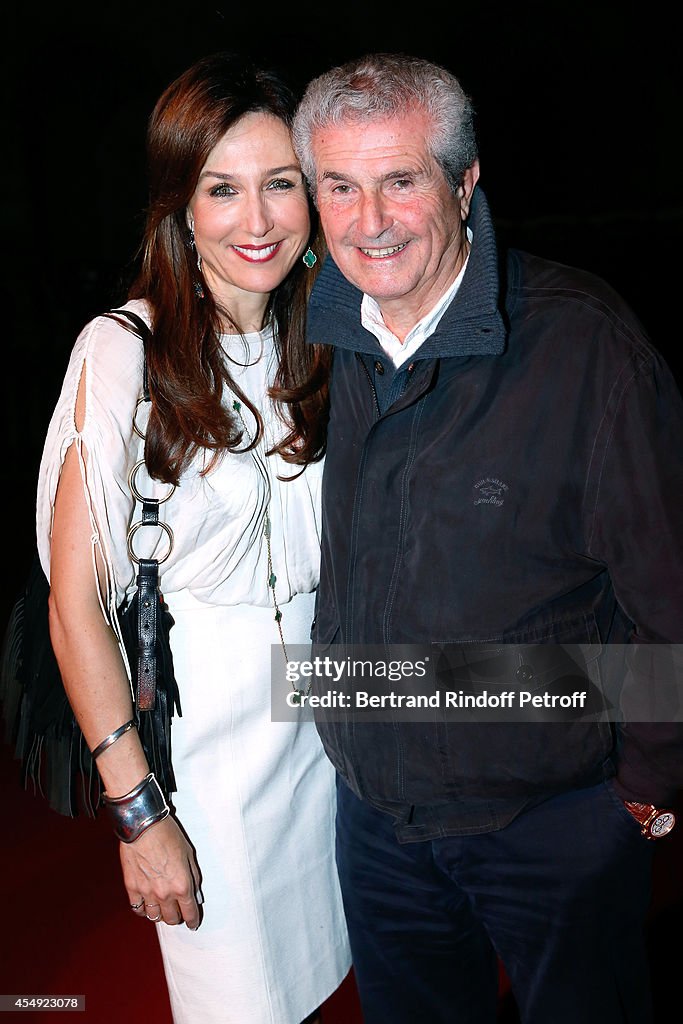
{"x":560,"y":895}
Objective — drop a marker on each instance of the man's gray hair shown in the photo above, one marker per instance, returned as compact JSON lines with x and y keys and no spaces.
{"x":384,"y":85}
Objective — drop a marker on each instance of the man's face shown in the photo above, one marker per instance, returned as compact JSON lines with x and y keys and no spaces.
{"x":393,"y":226}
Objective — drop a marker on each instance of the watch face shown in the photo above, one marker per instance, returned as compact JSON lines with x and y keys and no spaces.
{"x":662,"y":824}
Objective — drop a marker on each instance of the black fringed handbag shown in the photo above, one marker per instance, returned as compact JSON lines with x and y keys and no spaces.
{"x":39,"y":722}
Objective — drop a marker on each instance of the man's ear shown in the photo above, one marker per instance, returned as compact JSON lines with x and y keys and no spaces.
{"x":469,"y":180}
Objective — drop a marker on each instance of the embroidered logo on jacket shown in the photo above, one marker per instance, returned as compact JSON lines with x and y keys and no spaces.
{"x":489,"y":491}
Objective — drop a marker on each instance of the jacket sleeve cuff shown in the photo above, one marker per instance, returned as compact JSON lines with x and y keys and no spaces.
{"x":650,"y":763}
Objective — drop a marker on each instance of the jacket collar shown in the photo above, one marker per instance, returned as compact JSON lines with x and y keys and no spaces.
{"x":471,"y":325}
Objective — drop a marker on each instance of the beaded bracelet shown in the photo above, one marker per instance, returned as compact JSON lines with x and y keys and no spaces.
{"x":134,"y":812}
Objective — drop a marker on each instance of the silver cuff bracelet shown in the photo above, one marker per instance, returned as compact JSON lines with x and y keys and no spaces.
{"x":134,"y":812}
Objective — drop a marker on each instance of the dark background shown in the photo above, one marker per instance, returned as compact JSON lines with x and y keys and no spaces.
{"x":578,"y":119}
{"x":578,"y":109}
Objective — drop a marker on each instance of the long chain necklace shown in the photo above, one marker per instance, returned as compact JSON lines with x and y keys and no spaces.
{"x":298,"y":694}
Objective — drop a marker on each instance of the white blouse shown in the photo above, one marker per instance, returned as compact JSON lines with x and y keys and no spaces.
{"x":219,"y":551}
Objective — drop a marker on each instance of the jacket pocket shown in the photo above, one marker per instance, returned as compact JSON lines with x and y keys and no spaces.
{"x":497,"y":754}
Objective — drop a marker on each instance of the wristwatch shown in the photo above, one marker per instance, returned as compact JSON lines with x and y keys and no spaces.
{"x":654,"y":822}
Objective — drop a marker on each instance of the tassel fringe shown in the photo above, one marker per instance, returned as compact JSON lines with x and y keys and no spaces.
{"x":37,"y":717}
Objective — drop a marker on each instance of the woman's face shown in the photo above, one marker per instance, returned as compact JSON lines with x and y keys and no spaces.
{"x":250,"y":215}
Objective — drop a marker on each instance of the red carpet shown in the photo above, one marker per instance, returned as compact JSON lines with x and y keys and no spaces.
{"x":68,"y":929}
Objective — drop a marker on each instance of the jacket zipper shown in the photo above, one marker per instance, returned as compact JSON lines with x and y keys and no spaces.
{"x":370,"y":382}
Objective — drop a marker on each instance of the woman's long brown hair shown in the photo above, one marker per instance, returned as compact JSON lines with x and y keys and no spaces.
{"x":188,"y":374}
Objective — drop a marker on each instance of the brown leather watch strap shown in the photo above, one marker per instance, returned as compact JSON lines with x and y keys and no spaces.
{"x":655,"y":822}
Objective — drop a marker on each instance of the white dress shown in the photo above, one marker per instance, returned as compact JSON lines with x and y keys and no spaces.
{"x":256,"y":797}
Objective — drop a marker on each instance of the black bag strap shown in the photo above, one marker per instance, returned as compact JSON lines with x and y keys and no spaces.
{"x":148,"y":568}
{"x":156,"y":692}
{"x":145,"y":333}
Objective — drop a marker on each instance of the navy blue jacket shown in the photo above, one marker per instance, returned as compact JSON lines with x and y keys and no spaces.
{"x":520,"y":480}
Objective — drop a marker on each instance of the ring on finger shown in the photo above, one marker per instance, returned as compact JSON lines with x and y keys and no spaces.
{"x":157,"y":918}
{"x":136,"y":906}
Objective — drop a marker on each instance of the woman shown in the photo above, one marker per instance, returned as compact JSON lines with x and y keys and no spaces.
{"x":245,"y":861}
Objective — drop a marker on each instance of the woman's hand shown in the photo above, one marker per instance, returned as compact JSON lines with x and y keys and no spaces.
{"x":161,"y":875}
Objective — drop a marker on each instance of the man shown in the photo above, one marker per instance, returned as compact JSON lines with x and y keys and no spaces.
{"x":504,"y":463}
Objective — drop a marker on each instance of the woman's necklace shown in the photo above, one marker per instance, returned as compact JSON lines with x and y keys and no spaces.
{"x":298,"y":695}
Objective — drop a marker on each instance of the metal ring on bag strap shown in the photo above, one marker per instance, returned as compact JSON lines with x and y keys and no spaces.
{"x":149,"y":505}
{"x":138,"y":526}
{"x":141,"y":401}
{"x":136,"y":492}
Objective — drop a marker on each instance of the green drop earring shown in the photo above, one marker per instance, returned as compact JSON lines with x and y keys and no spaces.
{"x":309,"y":258}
